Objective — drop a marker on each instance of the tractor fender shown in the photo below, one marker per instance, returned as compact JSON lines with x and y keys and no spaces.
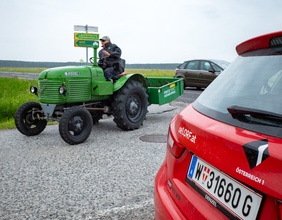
{"x":133,"y":76}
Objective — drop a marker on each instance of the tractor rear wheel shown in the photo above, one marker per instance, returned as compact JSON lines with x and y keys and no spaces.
{"x":28,"y":119}
{"x":75,"y":125}
{"x":130,"y":105}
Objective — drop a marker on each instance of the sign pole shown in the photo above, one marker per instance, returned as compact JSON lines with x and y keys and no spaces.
{"x":86,"y":30}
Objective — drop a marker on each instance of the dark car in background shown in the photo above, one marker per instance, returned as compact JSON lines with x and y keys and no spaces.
{"x":199,"y":73}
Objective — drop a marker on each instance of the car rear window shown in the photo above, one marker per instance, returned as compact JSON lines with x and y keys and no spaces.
{"x":252,"y":81}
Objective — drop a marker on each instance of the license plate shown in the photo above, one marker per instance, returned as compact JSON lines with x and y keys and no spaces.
{"x":225,"y":193}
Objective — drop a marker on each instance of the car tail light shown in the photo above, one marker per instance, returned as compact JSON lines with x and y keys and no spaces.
{"x":175,"y":148}
{"x":279,"y":205}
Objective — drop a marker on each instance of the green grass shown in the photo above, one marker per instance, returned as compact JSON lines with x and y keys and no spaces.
{"x":14,"y":92}
{"x":152,"y":73}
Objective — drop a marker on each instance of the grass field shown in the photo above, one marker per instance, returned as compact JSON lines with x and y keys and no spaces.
{"x":14,"y":92}
{"x":152,"y":73}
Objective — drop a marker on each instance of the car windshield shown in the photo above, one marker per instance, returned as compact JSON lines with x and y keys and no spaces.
{"x":223,"y":64}
{"x":253,"y":82}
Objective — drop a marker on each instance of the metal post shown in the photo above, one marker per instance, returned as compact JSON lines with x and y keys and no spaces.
{"x":86,"y":30}
{"x":95,"y":47}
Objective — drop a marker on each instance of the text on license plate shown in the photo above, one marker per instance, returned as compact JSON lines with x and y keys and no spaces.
{"x":238,"y":199}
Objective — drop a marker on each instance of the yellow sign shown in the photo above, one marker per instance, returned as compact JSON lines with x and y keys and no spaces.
{"x":85,"y":39}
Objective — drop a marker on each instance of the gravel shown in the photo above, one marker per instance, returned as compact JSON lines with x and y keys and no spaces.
{"x":110,"y":176}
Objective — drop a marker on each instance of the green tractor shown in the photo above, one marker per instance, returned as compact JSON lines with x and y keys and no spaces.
{"x":78,"y":96}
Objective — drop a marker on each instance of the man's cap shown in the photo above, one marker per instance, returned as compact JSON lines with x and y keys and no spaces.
{"x":105,"y":38}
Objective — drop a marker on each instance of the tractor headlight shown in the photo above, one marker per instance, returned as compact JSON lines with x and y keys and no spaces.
{"x":62,"y":90}
{"x":33,"y":89}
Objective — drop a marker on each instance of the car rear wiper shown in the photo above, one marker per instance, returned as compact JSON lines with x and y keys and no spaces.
{"x":253,"y":115}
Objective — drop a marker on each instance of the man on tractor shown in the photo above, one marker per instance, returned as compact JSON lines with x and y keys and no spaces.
{"x":110,"y":59}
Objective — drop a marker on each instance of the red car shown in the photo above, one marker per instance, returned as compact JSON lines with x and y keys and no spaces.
{"x":224,"y":151}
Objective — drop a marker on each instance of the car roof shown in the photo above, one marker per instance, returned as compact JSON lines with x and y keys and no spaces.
{"x":212,"y":60}
{"x":260,"y":42}
{"x":197,"y":60}
{"x":222,"y":63}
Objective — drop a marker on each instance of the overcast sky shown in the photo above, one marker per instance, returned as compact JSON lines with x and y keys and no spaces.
{"x":147,"y":31}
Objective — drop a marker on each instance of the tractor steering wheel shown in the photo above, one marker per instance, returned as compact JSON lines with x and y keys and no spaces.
{"x":91,"y":59}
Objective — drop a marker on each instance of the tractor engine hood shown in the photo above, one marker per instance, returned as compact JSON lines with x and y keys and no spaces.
{"x":65,"y":72}
{"x":65,"y":85}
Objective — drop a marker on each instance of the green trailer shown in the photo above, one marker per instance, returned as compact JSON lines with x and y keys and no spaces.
{"x":78,"y":96}
{"x":164,"y":90}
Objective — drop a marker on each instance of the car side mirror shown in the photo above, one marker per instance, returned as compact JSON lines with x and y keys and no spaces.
{"x":211,"y":70}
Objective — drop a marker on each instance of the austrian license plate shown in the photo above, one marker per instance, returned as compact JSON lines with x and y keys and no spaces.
{"x":225,"y":193}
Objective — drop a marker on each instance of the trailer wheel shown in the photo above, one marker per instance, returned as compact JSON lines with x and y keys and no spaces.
{"x":28,"y":119}
{"x":130,"y":105}
{"x":75,"y":125}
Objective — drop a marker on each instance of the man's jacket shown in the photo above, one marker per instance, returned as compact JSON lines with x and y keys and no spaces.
{"x":113,"y":60}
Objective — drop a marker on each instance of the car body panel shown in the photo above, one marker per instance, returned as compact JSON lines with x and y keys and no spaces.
{"x":222,"y":161}
{"x":211,"y":146}
{"x":191,"y":76}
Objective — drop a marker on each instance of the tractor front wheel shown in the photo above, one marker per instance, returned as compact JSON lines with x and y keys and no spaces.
{"x":75,"y":125}
{"x":29,"y":119}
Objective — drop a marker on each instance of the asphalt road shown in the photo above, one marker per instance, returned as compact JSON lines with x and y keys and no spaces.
{"x":110,"y":176}
{"x":19,"y":75}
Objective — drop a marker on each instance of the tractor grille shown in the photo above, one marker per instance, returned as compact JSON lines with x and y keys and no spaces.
{"x":49,"y":92}
{"x":77,"y":91}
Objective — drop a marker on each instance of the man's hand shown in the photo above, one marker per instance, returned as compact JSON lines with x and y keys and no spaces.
{"x":106,"y":53}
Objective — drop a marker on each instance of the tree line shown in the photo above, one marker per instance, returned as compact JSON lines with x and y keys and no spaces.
{"x":31,"y":64}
